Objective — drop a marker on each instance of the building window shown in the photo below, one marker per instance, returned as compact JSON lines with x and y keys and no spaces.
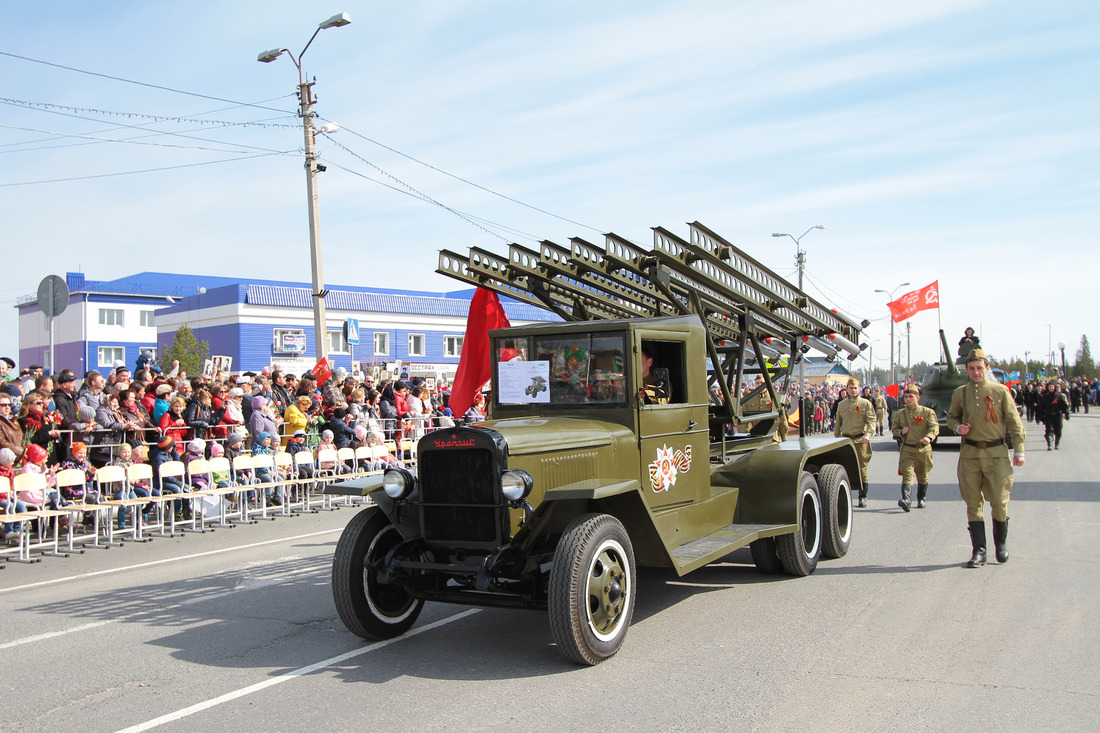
{"x":381,"y":343}
{"x":337,"y":344}
{"x":416,"y":344}
{"x":147,"y":319}
{"x":110,"y":317}
{"x":452,"y":345}
{"x":108,"y":355}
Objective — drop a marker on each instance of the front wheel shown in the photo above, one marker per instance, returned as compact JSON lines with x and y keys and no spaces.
{"x":368,"y":608}
{"x":591,"y":590}
{"x":836,"y":497}
{"x":801,"y":550}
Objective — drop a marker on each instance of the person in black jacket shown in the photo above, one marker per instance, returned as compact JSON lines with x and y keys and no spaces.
{"x":200,"y":416}
{"x":342,"y":432}
{"x":1053,"y":407}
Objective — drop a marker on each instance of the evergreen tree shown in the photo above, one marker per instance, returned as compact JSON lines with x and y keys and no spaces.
{"x":189,"y":351}
{"x":1084,"y":366}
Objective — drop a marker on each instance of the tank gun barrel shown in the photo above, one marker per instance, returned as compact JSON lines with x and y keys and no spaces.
{"x":947,"y":360}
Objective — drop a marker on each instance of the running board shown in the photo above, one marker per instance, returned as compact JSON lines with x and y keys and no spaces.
{"x":697,"y":553}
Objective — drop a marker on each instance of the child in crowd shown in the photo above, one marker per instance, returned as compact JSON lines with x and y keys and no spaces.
{"x":165,"y":452}
{"x":234,"y":445}
{"x":262,"y":447}
{"x":383,"y":459}
{"x":296,"y":445}
{"x":124,"y":460}
{"x":87,"y":493}
{"x":7,"y":496}
{"x":330,"y":464}
{"x":196,"y":449}
{"x":143,"y":487}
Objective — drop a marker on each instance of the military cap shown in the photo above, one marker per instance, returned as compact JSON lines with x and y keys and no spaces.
{"x":853,"y":382}
{"x":977,"y":355}
{"x":914,"y":389}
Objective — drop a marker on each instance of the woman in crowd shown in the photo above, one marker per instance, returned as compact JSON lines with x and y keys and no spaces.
{"x":39,"y":426}
{"x":295,"y":417}
{"x":133,"y":410}
{"x":173,"y":425}
{"x":261,"y":422}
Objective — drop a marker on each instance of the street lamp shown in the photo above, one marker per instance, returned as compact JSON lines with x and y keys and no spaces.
{"x":890,"y":293}
{"x":1062,"y":348}
{"x":305,"y":111}
{"x":800,"y":260}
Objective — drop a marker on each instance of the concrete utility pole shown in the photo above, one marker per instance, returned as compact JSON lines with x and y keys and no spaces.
{"x":800,"y":260}
{"x":305,"y":111}
{"x":890,"y":293}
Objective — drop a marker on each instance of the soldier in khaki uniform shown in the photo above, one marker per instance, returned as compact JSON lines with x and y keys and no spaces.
{"x":880,"y":409}
{"x":762,"y":402}
{"x":855,"y":419}
{"x":984,"y":414}
{"x":916,"y":427}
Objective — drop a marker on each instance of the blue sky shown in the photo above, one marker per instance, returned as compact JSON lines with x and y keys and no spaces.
{"x":953,"y":141}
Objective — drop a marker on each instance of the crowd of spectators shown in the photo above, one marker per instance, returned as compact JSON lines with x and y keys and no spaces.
{"x":52,"y":422}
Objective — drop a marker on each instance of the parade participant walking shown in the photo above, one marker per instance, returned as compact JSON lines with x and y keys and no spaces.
{"x":916,"y":427}
{"x":1052,"y":408}
{"x":855,"y":419}
{"x":880,"y":409}
{"x":983,"y":413}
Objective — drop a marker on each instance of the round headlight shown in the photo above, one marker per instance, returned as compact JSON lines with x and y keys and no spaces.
{"x":515,"y":484}
{"x":397,"y":483}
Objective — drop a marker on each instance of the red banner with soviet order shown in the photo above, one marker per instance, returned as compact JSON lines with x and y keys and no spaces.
{"x":924,"y":299}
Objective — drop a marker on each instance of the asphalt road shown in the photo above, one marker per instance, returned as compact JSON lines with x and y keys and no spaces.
{"x":236,"y":630}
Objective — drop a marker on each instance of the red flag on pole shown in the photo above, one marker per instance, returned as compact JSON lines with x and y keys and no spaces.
{"x":322,"y":370}
{"x":474,"y":367}
{"x":919,"y":300}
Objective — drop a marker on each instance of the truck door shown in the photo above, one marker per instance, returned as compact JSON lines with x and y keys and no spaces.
{"x":673,"y":435}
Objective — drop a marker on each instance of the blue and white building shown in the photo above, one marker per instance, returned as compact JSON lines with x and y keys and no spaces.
{"x":252,"y":323}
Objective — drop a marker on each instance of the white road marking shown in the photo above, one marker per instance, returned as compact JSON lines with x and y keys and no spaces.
{"x":235,"y":694}
{"x":244,"y":585}
{"x":52,"y":634}
{"x":167,"y":560}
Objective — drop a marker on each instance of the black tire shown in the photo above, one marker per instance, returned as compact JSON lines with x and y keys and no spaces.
{"x":836,"y":502}
{"x":801,"y":550}
{"x":368,"y":608}
{"x":591,"y":592}
{"x":765,"y":555}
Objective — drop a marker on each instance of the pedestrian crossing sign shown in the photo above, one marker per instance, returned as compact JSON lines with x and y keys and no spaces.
{"x":351,"y":331}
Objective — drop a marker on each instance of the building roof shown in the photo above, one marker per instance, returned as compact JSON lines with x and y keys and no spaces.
{"x":182,"y":291}
{"x":819,"y":368}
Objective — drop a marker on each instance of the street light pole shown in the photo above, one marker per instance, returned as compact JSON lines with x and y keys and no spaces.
{"x":800,"y":260}
{"x":893,"y":380}
{"x":305,"y":111}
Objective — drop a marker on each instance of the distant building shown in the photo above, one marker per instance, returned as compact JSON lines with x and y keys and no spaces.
{"x":819,"y":371}
{"x":254,"y":323}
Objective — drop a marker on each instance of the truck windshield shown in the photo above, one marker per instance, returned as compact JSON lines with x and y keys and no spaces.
{"x":564,"y":370}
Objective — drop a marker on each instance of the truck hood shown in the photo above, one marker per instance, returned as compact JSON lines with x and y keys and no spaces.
{"x":547,"y":434}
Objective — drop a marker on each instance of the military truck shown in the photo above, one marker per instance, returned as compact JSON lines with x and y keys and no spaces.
{"x":555,"y":501}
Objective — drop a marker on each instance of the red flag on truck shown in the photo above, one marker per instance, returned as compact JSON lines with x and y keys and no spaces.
{"x":919,"y":300}
{"x":474,"y":367}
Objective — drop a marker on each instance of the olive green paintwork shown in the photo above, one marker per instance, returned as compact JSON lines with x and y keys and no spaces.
{"x":595,"y":456}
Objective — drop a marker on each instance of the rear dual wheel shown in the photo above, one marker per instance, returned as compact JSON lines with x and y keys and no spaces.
{"x":800,"y":551}
{"x":836,"y":500}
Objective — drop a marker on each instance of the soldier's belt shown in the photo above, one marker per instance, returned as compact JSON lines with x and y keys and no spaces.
{"x":855,"y":437}
{"x":984,"y":443}
{"x":912,"y":445}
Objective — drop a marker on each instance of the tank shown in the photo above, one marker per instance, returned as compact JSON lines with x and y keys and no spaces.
{"x":943,"y":379}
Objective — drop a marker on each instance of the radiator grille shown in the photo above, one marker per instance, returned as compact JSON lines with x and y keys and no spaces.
{"x":459,"y":496}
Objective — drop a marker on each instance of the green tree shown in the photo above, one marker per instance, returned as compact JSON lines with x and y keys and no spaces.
{"x":1084,"y":366}
{"x":187,"y":350}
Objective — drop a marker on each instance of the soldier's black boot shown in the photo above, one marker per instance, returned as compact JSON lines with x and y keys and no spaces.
{"x":977,"y":540}
{"x":862,"y":500}
{"x":906,"y":494}
{"x":922,"y":491}
{"x":1000,"y":537}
